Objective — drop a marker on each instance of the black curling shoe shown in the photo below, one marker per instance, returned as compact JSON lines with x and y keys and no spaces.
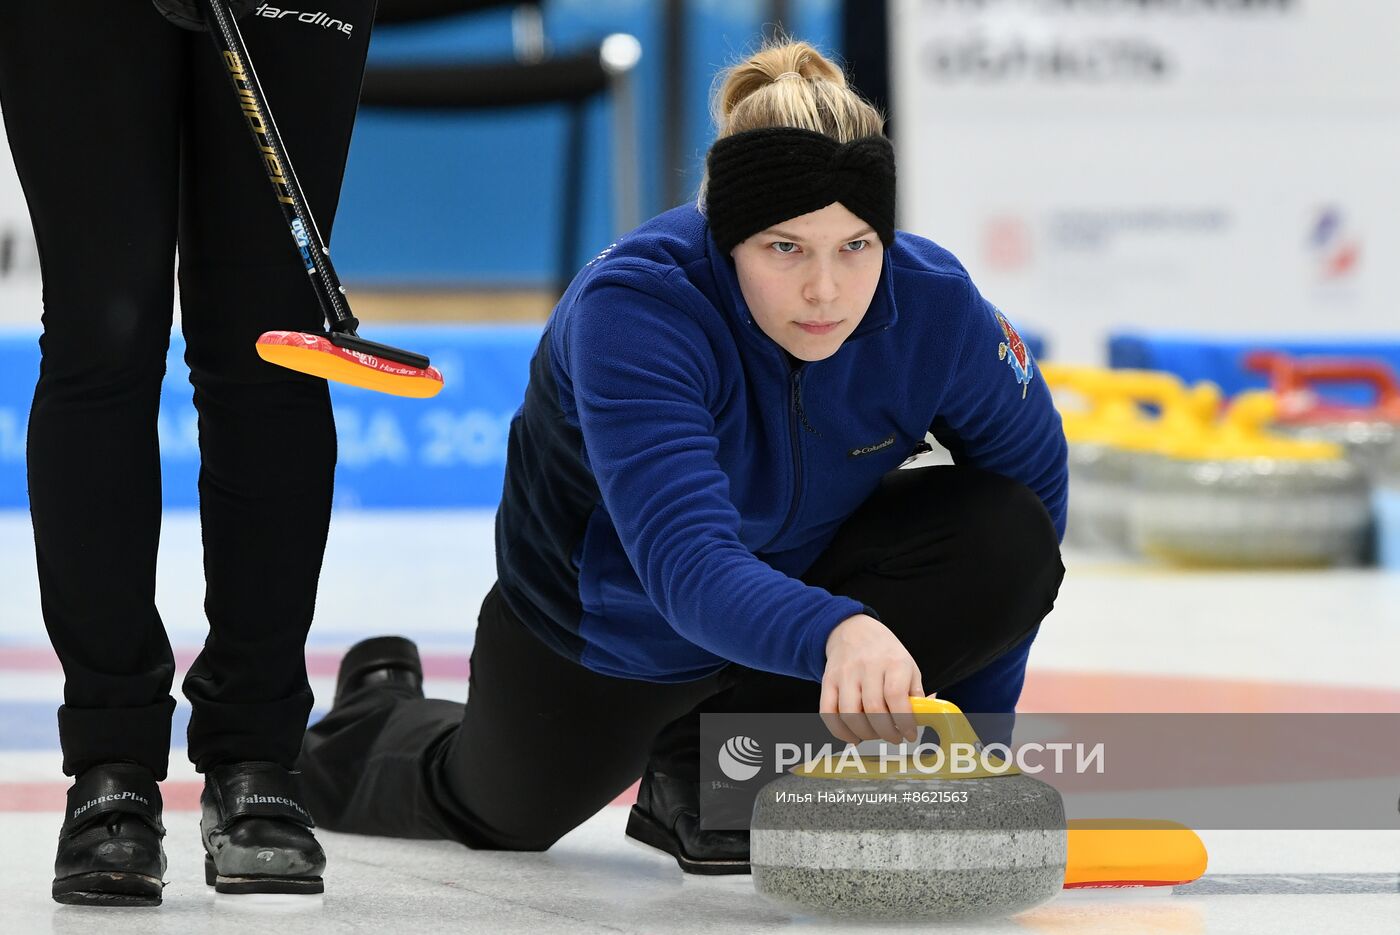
{"x":257,"y":834}
{"x":109,"y":849}
{"x":667,"y":817}
{"x":381,"y":662}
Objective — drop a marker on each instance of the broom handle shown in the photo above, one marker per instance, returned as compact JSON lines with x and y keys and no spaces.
{"x":253,"y":103}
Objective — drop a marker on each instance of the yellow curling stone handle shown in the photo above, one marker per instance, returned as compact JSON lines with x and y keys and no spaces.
{"x":1113,"y":415}
{"x":1241,"y":435}
{"x":953,"y":728}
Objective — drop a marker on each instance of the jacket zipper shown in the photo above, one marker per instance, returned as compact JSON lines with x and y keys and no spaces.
{"x":795,"y":435}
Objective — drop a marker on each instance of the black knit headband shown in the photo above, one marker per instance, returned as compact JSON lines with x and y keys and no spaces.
{"x":759,"y":178}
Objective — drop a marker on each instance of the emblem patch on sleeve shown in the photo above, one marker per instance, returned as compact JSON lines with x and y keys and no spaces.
{"x":1013,"y":351}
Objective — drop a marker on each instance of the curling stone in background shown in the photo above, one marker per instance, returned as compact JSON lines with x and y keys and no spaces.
{"x":1092,"y":417}
{"x":1240,"y":496}
{"x":1367,"y":432}
{"x":1109,"y":432}
{"x":858,"y":839}
{"x":1182,"y":415}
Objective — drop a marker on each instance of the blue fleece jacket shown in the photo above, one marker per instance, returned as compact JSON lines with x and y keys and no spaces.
{"x":670,"y":475}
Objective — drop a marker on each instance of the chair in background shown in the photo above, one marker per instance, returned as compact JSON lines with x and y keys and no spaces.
{"x":534,"y":77}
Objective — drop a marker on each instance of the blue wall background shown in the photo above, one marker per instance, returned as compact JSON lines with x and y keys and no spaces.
{"x":448,"y":451}
{"x":474,"y":200}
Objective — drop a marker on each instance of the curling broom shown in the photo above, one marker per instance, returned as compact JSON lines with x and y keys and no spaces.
{"x":1119,"y":852}
{"x":339,"y":354}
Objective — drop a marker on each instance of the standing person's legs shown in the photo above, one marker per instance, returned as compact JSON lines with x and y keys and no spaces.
{"x":960,"y":564}
{"x":266,"y":434}
{"x":541,"y":745}
{"x":86,"y":93}
{"x":89,"y":93}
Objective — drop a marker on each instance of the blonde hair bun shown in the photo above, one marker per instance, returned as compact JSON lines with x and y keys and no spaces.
{"x":762,"y":92}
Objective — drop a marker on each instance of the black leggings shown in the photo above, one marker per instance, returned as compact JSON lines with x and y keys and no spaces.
{"x":127,"y":138}
{"x":960,"y":564}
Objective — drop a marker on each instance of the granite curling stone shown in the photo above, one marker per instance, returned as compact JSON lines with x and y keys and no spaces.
{"x":1242,"y":496}
{"x":1367,"y":432}
{"x":881,"y":843}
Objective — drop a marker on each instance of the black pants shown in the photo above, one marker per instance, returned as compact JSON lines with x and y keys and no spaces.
{"x":126,"y":137}
{"x":960,"y":564}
